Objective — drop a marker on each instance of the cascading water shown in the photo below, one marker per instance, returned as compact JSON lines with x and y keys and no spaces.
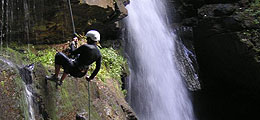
{"x":186,"y":58}
{"x":156,"y":89}
{"x":29,"y":100}
{"x":26,"y":75}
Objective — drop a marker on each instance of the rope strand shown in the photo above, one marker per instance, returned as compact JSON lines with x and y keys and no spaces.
{"x":71,"y":15}
{"x":88,"y":100}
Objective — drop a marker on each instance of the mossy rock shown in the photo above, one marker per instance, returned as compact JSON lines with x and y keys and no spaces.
{"x":64,"y":102}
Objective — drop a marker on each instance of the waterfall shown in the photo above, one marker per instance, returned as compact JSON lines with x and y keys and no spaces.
{"x":156,"y":90}
{"x":26,"y":75}
{"x":186,"y":58}
{"x":29,"y":100}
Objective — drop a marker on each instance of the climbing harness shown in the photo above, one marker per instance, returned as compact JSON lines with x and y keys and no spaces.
{"x":71,"y":15}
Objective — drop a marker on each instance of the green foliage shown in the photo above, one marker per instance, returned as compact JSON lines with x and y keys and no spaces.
{"x":67,"y":105}
{"x":2,"y":83}
{"x":10,"y":54}
{"x":252,"y":13}
{"x":46,"y":57}
{"x":29,"y":54}
{"x":112,"y":65}
{"x":124,"y":92}
{"x":113,"y":62}
{"x":23,"y":106}
{"x":251,"y":39}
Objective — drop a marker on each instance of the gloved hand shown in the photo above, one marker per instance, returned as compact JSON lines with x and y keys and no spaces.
{"x":74,"y":42}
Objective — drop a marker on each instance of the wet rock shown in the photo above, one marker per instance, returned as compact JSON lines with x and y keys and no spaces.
{"x":209,"y":26}
{"x":9,"y":97}
{"x":218,"y":38}
{"x":130,"y":115}
{"x":62,"y":103}
{"x":26,"y":73}
{"x":216,"y":10}
{"x":190,"y":21}
{"x":220,"y":1}
{"x":99,"y":15}
{"x":226,"y":40}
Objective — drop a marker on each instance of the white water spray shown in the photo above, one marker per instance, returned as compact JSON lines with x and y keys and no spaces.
{"x":29,"y":100}
{"x":156,"y":90}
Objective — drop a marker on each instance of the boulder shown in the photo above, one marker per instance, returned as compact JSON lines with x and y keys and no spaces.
{"x":219,"y":37}
{"x":227,"y":44}
{"x":216,"y":10}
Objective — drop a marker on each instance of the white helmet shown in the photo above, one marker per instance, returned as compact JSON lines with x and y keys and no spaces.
{"x":94,"y":35}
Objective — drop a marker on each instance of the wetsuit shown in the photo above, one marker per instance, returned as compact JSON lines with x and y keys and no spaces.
{"x":86,"y":55}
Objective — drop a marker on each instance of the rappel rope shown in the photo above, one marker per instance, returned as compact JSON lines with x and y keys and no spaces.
{"x":74,"y":32}
{"x":71,"y":15}
{"x":89,"y":100}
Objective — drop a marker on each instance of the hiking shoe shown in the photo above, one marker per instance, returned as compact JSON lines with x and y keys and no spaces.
{"x":52,"y":78}
{"x":58,"y":83}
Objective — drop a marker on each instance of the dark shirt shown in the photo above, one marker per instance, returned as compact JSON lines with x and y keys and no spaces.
{"x":87,"y":54}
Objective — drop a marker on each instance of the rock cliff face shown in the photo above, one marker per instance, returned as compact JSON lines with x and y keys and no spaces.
{"x":48,"y":21}
{"x":24,"y":94}
{"x":227,"y":45}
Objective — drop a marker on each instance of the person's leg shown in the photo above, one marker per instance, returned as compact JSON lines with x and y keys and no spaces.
{"x":57,"y":70}
{"x":61,"y":60}
{"x":64,"y":75}
{"x":66,"y":63}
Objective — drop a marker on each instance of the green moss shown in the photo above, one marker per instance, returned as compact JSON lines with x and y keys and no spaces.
{"x":72,"y":96}
{"x":22,"y":101}
{"x":65,"y":97}
{"x":27,"y":54}
{"x":93,"y":113}
{"x":15,"y":57}
{"x":251,"y":39}
{"x":252,"y":13}
{"x":11,"y":54}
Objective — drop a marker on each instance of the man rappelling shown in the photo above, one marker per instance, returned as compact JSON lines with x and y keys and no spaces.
{"x":85,"y":55}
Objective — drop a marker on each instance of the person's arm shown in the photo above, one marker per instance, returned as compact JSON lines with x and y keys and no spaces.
{"x":77,"y":51}
{"x":98,"y":66}
{"x":72,"y":46}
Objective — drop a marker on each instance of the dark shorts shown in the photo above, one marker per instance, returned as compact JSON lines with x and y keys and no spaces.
{"x":69,"y":65}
